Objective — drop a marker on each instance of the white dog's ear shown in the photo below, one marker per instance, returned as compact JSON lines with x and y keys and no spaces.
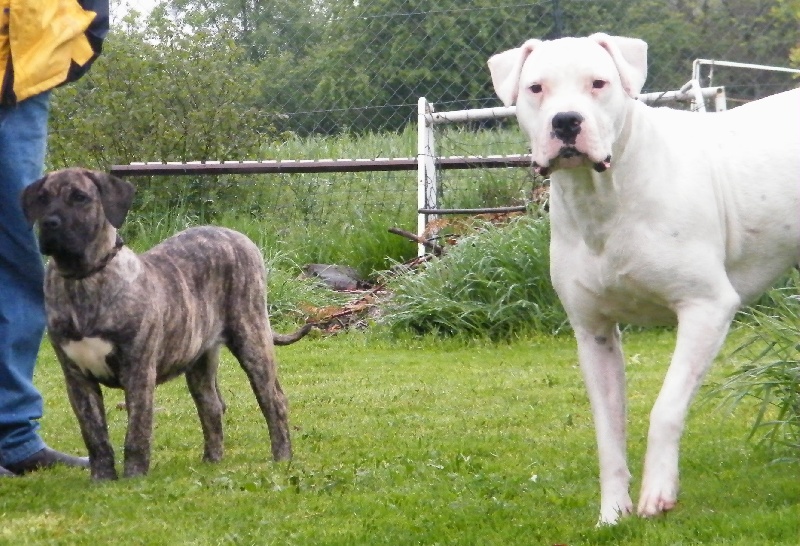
{"x":630,"y":56}
{"x":506,"y":68}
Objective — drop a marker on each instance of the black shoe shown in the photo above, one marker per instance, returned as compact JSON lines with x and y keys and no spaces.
{"x":46,"y":458}
{"x":5,"y":473}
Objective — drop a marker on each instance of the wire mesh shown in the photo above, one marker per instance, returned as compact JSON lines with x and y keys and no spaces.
{"x":341,"y":78}
{"x":369,"y":61}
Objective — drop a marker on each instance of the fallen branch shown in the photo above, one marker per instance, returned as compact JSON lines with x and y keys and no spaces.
{"x":430,"y":245}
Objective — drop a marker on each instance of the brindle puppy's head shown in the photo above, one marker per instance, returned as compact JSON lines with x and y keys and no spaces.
{"x":77,"y":211}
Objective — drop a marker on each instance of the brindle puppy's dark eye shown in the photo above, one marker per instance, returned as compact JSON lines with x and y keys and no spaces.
{"x":43,"y":198}
{"x":79,"y":198}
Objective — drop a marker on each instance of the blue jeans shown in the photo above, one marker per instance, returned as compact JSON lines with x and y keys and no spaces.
{"x":23,"y":142}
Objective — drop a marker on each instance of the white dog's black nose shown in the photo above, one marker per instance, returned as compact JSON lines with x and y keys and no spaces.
{"x":566,"y":126}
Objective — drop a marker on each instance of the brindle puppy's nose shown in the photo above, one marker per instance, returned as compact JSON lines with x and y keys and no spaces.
{"x":566,"y":126}
{"x":51,"y":222}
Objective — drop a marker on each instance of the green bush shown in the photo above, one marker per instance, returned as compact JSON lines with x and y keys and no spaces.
{"x":159,"y":93}
{"x":493,"y":284}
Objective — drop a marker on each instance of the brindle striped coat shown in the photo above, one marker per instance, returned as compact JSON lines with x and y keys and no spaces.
{"x":132,"y":322}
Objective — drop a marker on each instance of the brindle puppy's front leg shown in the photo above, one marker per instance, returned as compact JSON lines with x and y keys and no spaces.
{"x":86,"y":400}
{"x":139,"y":384}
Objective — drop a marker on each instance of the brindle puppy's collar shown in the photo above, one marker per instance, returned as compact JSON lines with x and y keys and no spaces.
{"x":104,"y":261}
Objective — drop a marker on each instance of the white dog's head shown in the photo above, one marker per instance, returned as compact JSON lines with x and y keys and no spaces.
{"x":571,"y":95}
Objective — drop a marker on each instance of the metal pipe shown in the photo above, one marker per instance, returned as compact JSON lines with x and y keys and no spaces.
{"x":698,"y":62}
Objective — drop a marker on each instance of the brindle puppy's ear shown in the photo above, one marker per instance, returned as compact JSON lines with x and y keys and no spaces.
{"x":116,"y":195}
{"x":32,"y":206}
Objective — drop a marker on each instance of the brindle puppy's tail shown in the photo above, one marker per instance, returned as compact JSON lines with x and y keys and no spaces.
{"x":288,"y":339}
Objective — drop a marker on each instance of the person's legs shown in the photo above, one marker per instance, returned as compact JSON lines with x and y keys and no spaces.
{"x":23,"y":140}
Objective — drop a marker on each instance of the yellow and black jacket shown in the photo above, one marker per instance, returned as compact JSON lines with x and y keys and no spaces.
{"x":47,"y":43}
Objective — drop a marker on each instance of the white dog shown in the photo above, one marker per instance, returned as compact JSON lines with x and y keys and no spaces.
{"x":657,"y":216}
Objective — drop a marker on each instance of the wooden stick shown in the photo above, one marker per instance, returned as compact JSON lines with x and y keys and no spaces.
{"x":433,"y":247}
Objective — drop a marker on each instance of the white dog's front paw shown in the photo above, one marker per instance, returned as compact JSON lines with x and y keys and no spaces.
{"x":658,"y":496}
{"x":659,"y":492}
{"x":612,"y":511}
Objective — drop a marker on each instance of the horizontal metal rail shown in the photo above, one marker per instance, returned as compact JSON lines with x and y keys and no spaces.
{"x":682,"y":94}
{"x":500,"y":112}
{"x":476,"y":114}
{"x":485,"y":210}
{"x":316,"y":165}
{"x":697,"y":63}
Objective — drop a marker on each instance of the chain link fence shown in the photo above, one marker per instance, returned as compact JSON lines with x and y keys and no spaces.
{"x":362,"y":65}
{"x":342,"y":78}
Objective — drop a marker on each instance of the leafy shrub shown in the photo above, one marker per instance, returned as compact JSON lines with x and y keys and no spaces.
{"x":159,"y":93}
{"x":494,"y":284}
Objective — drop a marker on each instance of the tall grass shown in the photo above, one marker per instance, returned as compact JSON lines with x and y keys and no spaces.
{"x":494,"y":284}
{"x":344,"y":145}
{"x":330,"y":217}
{"x":771,"y":369}
{"x":360,"y":240}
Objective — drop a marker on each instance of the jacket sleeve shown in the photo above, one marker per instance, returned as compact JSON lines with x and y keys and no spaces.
{"x":54,"y":42}
{"x":99,"y":28}
{"x":96,"y":33}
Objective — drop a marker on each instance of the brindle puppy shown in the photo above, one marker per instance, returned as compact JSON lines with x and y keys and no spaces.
{"x":132,"y":322}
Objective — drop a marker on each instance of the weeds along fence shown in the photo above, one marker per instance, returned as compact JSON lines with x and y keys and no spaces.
{"x":343,"y":81}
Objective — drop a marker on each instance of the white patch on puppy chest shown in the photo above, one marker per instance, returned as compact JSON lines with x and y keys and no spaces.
{"x":90,"y":355}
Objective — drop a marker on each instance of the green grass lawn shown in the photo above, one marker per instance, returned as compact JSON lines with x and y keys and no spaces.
{"x":424,"y":442}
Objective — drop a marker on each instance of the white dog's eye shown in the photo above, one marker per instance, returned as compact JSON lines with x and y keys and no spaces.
{"x":598,"y":84}
{"x":535,"y":88}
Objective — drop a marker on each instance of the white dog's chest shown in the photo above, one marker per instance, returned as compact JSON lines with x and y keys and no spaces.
{"x":628,"y":297}
{"x":618,"y":277}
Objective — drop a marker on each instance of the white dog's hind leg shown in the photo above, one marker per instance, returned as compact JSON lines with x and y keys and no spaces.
{"x":603,"y":369}
{"x":702,"y":327}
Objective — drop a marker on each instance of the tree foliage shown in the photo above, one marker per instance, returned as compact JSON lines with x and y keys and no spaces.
{"x":361,"y":65}
{"x":160,"y":93}
{"x":215,"y":78}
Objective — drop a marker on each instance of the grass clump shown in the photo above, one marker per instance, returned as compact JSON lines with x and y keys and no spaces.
{"x":359,"y":238}
{"x":494,"y":284}
{"x":771,"y":372}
